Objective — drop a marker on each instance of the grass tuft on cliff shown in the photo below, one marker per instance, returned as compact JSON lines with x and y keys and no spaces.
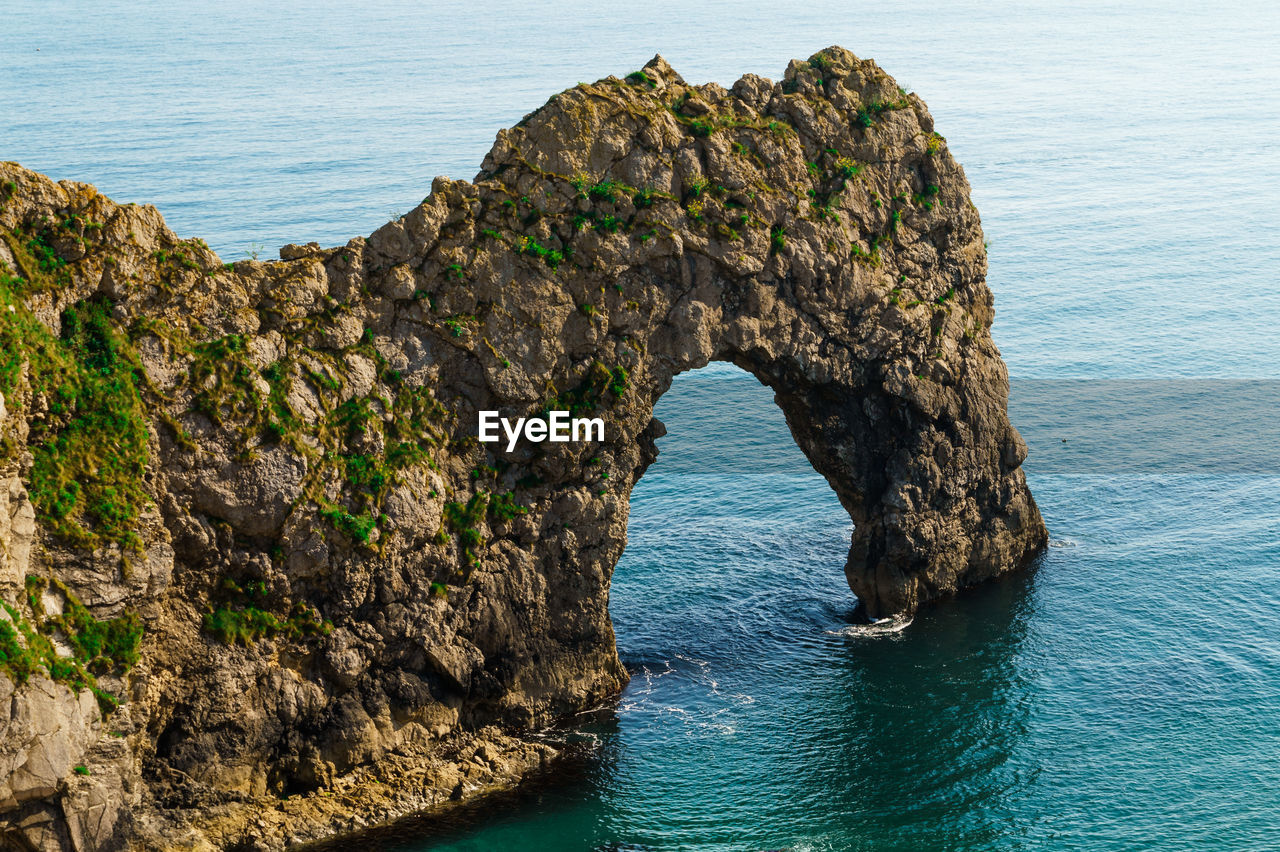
{"x":248,"y":612}
{"x":96,"y":647}
{"x":247,"y":624}
{"x":88,"y":436}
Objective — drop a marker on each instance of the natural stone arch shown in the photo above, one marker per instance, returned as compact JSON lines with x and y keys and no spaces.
{"x":876,"y":342}
{"x":878,"y":443}
{"x":310,"y":423}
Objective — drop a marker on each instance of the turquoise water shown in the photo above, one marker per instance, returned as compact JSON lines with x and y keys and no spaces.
{"x":1123,"y":694}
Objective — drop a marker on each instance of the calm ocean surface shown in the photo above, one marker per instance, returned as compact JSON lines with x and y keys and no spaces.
{"x":1125,"y":694}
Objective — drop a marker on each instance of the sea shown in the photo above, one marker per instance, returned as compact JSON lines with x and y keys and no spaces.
{"x":1121,"y":694}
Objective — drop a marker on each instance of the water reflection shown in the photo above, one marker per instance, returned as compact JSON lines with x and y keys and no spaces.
{"x":921,"y":751}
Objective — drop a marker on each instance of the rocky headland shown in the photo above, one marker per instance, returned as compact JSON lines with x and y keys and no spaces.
{"x":261,"y":583}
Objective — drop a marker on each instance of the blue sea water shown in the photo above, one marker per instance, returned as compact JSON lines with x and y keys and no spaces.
{"x":1123,"y":694}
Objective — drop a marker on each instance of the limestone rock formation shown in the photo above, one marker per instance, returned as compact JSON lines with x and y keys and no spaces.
{"x":250,"y":548}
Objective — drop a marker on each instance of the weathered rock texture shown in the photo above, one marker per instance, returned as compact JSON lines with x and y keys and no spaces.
{"x":246,"y":503}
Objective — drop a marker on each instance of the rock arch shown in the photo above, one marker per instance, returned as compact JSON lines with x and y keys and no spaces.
{"x":331,"y":571}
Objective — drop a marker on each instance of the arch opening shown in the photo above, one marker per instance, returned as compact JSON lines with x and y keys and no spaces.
{"x":730,"y":527}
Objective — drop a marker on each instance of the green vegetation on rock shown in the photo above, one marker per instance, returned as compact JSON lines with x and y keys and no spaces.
{"x":504,"y":507}
{"x":358,"y":528}
{"x":89,"y":443}
{"x":248,"y":611}
{"x":246,"y":625}
{"x":93,"y":647}
{"x":600,"y":385}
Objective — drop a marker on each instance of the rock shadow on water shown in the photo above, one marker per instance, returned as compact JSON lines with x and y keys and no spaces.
{"x":934,"y":716}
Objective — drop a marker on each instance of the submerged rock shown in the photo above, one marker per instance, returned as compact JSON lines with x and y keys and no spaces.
{"x":298,"y":586}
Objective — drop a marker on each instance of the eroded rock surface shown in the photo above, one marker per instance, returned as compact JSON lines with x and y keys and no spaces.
{"x":252,"y":553}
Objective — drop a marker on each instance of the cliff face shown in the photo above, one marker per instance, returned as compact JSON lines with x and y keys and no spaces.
{"x":252,"y":547}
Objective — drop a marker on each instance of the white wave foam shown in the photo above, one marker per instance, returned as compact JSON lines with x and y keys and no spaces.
{"x":879,"y":627}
